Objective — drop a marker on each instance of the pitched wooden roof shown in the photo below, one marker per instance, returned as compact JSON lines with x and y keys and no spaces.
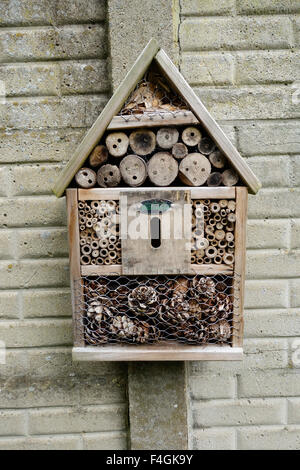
{"x":152,"y":52}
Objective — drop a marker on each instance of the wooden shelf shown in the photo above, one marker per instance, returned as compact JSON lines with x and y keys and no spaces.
{"x":153,"y":119}
{"x":116,"y":269}
{"x":220,"y":192}
{"x":157,"y":352}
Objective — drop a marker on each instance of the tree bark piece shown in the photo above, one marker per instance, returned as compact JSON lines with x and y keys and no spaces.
{"x":206,"y":146}
{"x":142,"y":142}
{"x":217,"y":159}
{"x":166,"y":137}
{"x":86,"y":178}
{"x":162,"y":169}
{"x":133,"y":170}
{"x":230,"y":177}
{"x":98,"y":156}
{"x":179,"y":151}
{"x":117,"y":143}
{"x":194,"y":169}
{"x":215,"y":179}
{"x":191,"y":136}
{"x":108,"y":176}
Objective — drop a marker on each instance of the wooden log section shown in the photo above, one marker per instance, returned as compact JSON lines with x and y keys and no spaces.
{"x":206,"y":146}
{"x":194,"y":169}
{"x":191,"y":136}
{"x":98,"y":156}
{"x":230,"y":177}
{"x":117,"y":143}
{"x":86,"y":178}
{"x":217,"y":159}
{"x":133,"y":170}
{"x":179,"y":151}
{"x":215,"y":179}
{"x":142,"y":142}
{"x":108,"y":176}
{"x":162,"y":169}
{"x":166,"y":137}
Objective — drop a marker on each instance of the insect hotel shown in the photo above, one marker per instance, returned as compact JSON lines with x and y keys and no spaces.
{"x":157,"y":209}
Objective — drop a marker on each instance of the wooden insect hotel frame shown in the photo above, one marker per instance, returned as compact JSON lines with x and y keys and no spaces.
{"x":157,"y":211}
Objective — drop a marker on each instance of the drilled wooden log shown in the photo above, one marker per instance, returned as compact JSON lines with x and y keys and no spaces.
{"x":98,"y":156}
{"x":215,"y":179}
{"x":230,"y":177}
{"x":194,"y":169}
{"x":142,"y":142}
{"x":162,"y":169}
{"x":191,"y":136}
{"x":117,"y":143}
{"x":217,"y":159}
{"x":86,"y":178}
{"x":133,"y":170}
{"x":166,"y":137}
{"x":179,"y":151}
{"x":108,"y":176}
{"x":206,"y":146}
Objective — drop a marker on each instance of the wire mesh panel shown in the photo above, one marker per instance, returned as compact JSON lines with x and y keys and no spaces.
{"x":148,"y":309}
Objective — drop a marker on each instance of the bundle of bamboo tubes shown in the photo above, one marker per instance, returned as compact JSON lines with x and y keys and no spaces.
{"x":213,"y":225}
{"x":99,"y":232}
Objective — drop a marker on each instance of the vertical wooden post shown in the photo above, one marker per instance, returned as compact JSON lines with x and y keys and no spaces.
{"x":239,"y":265}
{"x":75,"y":274}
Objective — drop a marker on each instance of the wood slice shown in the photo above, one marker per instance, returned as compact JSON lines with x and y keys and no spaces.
{"x":86,"y":178}
{"x":194,"y":169}
{"x":215,"y":179}
{"x":179,"y":151}
{"x":230,"y":177}
{"x":133,"y":170}
{"x":98,"y":156}
{"x":166,"y":137}
{"x":117,"y":143}
{"x":108,"y":176}
{"x":217,"y":159}
{"x":142,"y":142}
{"x":206,"y":146}
{"x":162,"y":169}
{"x":191,"y":136}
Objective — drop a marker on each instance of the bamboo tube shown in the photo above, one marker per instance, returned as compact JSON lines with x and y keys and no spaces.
{"x":86,"y":249}
{"x":229,"y":236}
{"x":218,"y":259}
{"x":100,"y":261}
{"x":222,"y":244}
{"x":200,"y":261}
{"x":85,"y":259}
{"x":95,"y":253}
{"x":211,"y":252}
{"x":207,"y":260}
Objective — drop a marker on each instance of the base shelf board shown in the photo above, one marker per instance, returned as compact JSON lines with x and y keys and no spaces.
{"x":157,"y":352}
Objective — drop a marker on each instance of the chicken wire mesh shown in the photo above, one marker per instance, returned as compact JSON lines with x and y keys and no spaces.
{"x":149,"y":309}
{"x":154,"y":97}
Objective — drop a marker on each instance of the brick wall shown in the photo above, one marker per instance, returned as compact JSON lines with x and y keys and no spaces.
{"x":53,"y":58}
{"x":242,"y":58}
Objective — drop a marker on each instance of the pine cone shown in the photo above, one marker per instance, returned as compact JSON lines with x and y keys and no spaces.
{"x":143,"y":300}
{"x":181,"y":287}
{"x":95,"y":288}
{"x":194,"y":332}
{"x":220,"y":331}
{"x":98,"y":314}
{"x":162,"y":285}
{"x":133,"y":330}
{"x":217,"y":308}
{"x":204,"y":287}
